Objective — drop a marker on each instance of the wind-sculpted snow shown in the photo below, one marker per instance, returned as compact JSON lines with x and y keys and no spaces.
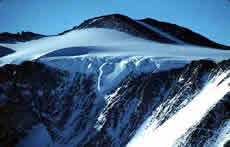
{"x":104,"y":42}
{"x":73,"y":51}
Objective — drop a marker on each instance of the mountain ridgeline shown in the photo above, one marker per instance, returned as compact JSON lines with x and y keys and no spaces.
{"x":128,"y":25}
{"x":114,"y":81}
{"x":131,"y":26}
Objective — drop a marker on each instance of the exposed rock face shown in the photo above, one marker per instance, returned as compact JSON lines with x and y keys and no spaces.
{"x":189,"y":84}
{"x":214,"y":127}
{"x":76,"y":114}
{"x":19,"y":37}
{"x":20,"y":87}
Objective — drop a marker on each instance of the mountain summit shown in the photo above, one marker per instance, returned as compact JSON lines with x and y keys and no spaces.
{"x":149,"y":28}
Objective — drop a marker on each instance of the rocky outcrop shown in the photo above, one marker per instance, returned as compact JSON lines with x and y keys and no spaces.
{"x":6,"y":37}
{"x":5,"y":51}
{"x":21,"y":87}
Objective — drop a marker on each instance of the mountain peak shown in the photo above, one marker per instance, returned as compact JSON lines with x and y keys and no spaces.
{"x":149,"y":29}
{"x":121,"y":23}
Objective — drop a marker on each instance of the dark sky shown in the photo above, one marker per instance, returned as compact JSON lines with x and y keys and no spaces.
{"x":207,"y":17}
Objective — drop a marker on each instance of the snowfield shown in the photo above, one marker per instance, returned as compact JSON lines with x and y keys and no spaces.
{"x":105,"y":42}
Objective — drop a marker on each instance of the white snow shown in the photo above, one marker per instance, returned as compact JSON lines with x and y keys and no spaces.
{"x":166,"y":35}
{"x":111,"y":71}
{"x":99,"y":77}
{"x":105,"y":42}
{"x":190,"y":115}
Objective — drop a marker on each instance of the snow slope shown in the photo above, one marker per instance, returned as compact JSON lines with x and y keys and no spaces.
{"x":106,"y":42}
{"x":214,"y":91}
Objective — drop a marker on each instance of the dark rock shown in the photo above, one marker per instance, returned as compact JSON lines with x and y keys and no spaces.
{"x":6,"y":37}
{"x":5,"y":51}
{"x":184,"y":34}
{"x":227,"y":144}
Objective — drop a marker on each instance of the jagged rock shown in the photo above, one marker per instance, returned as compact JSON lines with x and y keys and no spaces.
{"x":74,"y":113}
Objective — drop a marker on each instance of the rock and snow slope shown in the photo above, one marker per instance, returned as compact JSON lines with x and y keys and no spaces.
{"x":103,"y":84}
{"x":79,"y":106}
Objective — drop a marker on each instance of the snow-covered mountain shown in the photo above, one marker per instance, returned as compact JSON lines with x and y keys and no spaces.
{"x":114,"y":81}
{"x":149,"y":28}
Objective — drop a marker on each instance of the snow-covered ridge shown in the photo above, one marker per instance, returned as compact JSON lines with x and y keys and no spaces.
{"x":153,"y":30}
{"x":107,"y":42}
